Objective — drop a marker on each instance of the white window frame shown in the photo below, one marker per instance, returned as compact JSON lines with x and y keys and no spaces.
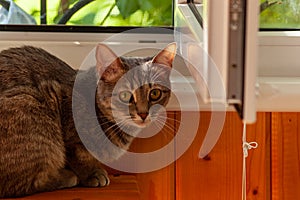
{"x":279,"y":71}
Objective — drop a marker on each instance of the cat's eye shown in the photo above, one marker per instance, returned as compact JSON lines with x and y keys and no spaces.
{"x":125,"y":96}
{"x":155,"y":94}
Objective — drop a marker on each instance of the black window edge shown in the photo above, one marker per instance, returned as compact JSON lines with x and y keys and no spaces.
{"x":195,"y":12}
{"x":84,"y":29}
{"x":278,"y":29}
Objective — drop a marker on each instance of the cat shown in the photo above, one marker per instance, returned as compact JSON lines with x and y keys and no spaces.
{"x":40,"y":145}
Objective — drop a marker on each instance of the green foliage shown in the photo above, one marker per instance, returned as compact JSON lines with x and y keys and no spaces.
{"x":146,"y":12}
{"x":106,"y":12}
{"x":31,"y":7}
{"x":127,"y":7}
{"x":284,"y":14}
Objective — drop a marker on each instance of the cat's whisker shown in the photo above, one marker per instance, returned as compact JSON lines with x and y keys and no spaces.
{"x":166,"y":126}
{"x":126,"y":126}
{"x":167,"y":133}
{"x":117,"y":125}
{"x":170,"y":118}
{"x":163,"y":121}
{"x":166,"y":118}
{"x":104,"y":123}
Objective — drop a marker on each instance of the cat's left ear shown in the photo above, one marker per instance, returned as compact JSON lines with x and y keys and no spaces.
{"x":166,"y":56}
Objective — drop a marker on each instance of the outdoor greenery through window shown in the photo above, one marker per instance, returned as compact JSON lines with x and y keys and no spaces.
{"x":274,"y":14}
{"x":90,"y":12}
{"x":280,"y":14}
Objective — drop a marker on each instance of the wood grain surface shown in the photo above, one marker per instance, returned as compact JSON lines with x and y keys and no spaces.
{"x":219,"y":176}
{"x":273,"y":169}
{"x":285,"y":156}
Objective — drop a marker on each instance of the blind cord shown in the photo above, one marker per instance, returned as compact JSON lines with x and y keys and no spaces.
{"x":246,"y":146}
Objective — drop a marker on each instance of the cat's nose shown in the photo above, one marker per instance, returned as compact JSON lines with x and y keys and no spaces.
{"x":143,"y":115}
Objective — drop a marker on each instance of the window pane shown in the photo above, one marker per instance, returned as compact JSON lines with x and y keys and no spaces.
{"x":88,"y":12}
{"x":280,"y":14}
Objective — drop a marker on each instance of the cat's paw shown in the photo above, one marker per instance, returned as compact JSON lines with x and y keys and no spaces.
{"x":68,"y":179}
{"x":99,"y":178}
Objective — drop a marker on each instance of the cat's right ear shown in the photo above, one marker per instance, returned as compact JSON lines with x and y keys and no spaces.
{"x":166,"y":56}
{"x":109,"y":65}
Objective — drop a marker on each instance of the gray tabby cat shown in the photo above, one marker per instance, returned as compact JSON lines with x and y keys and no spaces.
{"x":39,"y":146}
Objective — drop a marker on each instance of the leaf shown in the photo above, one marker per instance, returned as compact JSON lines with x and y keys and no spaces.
{"x":127,"y":7}
{"x":116,"y":20}
{"x":145,"y":5}
{"x":85,"y":20}
{"x":161,"y":3}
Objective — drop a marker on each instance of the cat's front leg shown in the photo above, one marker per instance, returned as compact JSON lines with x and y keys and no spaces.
{"x":86,"y":167}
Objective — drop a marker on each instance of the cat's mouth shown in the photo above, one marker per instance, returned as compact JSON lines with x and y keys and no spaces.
{"x":142,"y":120}
{"x":142,"y":124}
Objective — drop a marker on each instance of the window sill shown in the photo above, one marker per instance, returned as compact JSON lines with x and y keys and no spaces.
{"x":278,"y":54}
{"x":124,"y":187}
{"x":278,"y":66}
{"x":274,"y":94}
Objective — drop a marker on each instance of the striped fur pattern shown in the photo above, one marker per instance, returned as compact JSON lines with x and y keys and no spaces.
{"x":39,"y":145}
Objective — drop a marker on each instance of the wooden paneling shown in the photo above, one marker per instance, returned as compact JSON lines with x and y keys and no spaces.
{"x":219,"y":176}
{"x":157,"y":185}
{"x":273,"y":169}
{"x":258,"y":161}
{"x":285,"y":156}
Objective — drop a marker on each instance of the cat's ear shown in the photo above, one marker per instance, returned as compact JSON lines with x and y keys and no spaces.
{"x":166,"y":56}
{"x":109,"y":65}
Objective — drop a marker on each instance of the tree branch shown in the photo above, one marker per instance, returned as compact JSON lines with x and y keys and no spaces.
{"x":69,"y":13}
{"x":267,"y":4}
{"x":107,"y":14}
{"x":5,"y":4}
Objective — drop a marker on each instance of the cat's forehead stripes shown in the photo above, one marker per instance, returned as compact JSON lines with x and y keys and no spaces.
{"x":141,"y":93}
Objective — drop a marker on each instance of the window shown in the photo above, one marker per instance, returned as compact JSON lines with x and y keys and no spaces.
{"x":278,"y":51}
{"x":274,"y":14}
{"x":279,"y":38}
{"x":88,"y":12}
{"x":71,"y":28}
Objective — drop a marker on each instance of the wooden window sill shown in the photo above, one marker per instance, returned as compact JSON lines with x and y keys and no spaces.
{"x":122,"y":187}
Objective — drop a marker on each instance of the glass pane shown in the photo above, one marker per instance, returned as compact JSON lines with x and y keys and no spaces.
{"x":280,"y":14}
{"x":87,"y":12}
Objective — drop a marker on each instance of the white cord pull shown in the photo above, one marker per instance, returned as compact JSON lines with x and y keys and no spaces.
{"x":246,"y":146}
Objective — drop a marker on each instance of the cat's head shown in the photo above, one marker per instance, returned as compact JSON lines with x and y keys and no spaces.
{"x":131,"y":90}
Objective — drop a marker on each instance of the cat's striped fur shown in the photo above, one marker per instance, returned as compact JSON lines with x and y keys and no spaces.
{"x":40,"y":149}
